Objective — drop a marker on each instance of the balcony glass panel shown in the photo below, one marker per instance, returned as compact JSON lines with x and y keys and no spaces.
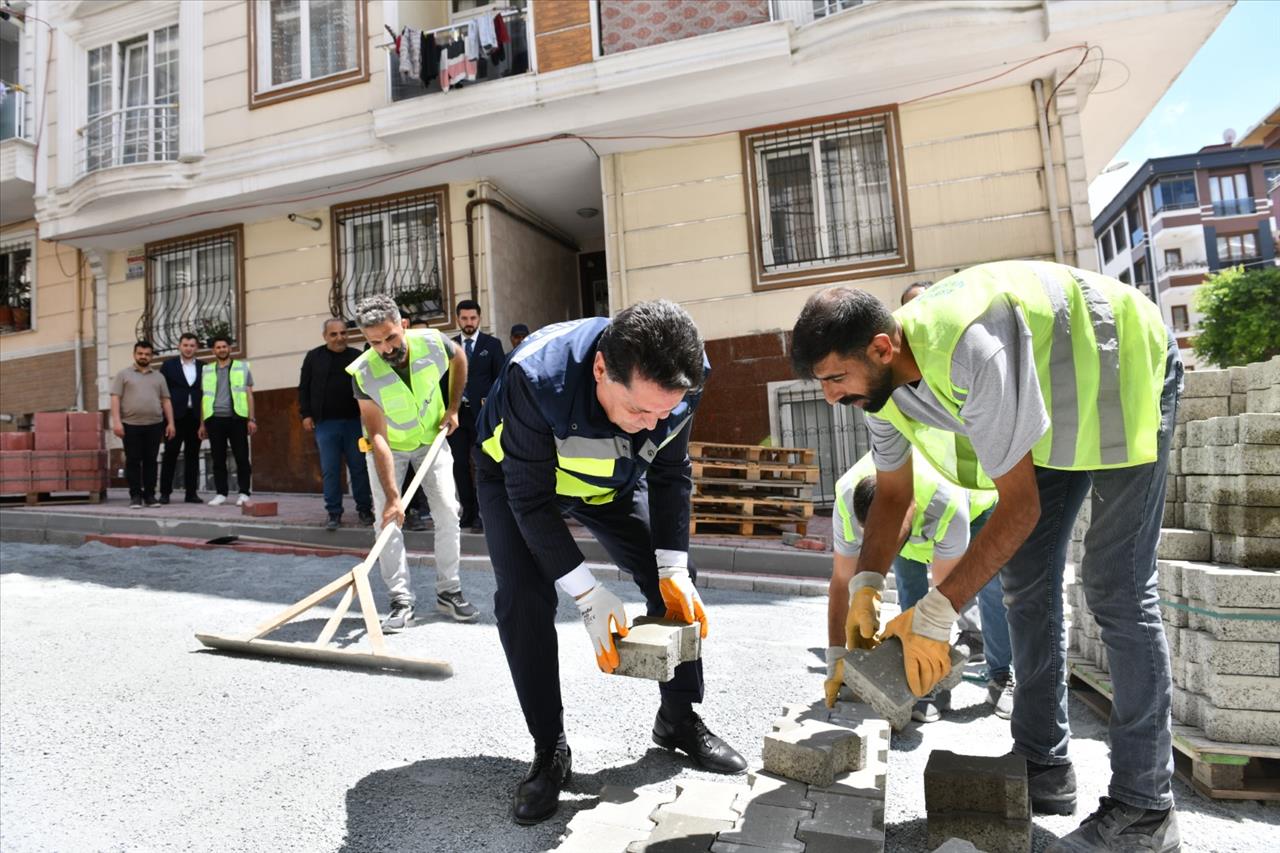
{"x":436,"y":73}
{"x":1175,"y":193}
{"x":1233,"y":207}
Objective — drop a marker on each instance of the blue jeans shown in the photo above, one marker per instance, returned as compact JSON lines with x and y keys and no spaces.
{"x":1118,"y":575}
{"x":912,"y":580}
{"x":336,"y":439}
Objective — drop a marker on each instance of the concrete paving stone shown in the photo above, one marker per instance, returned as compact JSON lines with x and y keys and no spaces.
{"x":1186,"y":706}
{"x":957,"y":845}
{"x":1198,"y":433}
{"x":984,"y":831}
{"x":878,"y":677}
{"x":1172,"y":516}
{"x":1193,"y":460}
{"x":770,"y":789}
{"x":733,"y":847}
{"x":586,"y":837}
{"x":677,"y":833}
{"x":1253,"y":625}
{"x":1238,"y":520}
{"x":1239,"y":378}
{"x":1235,"y":726}
{"x":1263,"y":402}
{"x":1238,"y":459}
{"x":1173,"y":465}
{"x":1238,"y":490}
{"x":1231,"y":586}
{"x":1201,"y":408}
{"x":977,"y":783}
{"x":1172,"y":612}
{"x":1248,"y":551}
{"x":1228,"y":658}
{"x":1181,"y":544}
{"x":1234,"y":692}
{"x":813,"y":752}
{"x":1173,"y":638}
{"x":623,"y":807}
{"x":1179,"y":436}
{"x":1206,"y":383}
{"x":648,"y":651}
{"x":770,"y":827}
{"x":1262,"y":374}
{"x":1238,"y":403}
{"x":690,"y":635}
{"x":1169,"y":576}
{"x":843,"y":824}
{"x":869,"y":783}
{"x":1259,"y":428}
{"x":709,"y":800}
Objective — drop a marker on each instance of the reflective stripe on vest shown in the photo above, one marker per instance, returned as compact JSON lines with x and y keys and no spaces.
{"x":412,"y":412}
{"x":595,"y":457}
{"x":1092,"y":337}
{"x":237,"y":376}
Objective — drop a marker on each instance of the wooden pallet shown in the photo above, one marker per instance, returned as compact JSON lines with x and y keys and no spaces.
{"x":762,"y":506}
{"x":740,"y":525}
{"x":754,"y":471}
{"x":53,"y":498}
{"x":703,"y":450}
{"x":1220,"y":771}
{"x":727,"y":486}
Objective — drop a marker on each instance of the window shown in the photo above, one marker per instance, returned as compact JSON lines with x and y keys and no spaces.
{"x":823,"y":8}
{"x":1117,"y":234}
{"x":1230,"y":194}
{"x":13,"y":101}
{"x":826,"y":200}
{"x":1108,"y":252}
{"x":17,"y":284}
{"x":394,"y":245}
{"x":194,"y":284}
{"x":1172,"y":258}
{"x":1271,"y":176}
{"x":1236,"y":248}
{"x":1140,"y":271}
{"x":1125,"y":277}
{"x":1176,"y":192}
{"x":300,"y":47}
{"x":132,"y":96}
{"x":1179,"y":315}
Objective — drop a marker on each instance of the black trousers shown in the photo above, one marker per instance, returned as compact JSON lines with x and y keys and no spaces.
{"x":141,"y":446}
{"x":418,"y":501}
{"x":461,"y":443}
{"x":235,"y":430}
{"x":187,"y":441}
{"x":526,"y":600}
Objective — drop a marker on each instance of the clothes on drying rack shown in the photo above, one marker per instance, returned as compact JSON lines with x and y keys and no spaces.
{"x":430,"y":59}
{"x":409,"y":52}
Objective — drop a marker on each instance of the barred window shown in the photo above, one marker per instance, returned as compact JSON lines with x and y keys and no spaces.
{"x":826,"y":201}
{"x":393,"y":245}
{"x":194,"y":285}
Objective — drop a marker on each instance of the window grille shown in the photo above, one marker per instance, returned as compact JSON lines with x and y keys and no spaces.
{"x":307,"y":39}
{"x":826,"y":193}
{"x":193,"y":285}
{"x":16,"y":271}
{"x":837,"y":433}
{"x":392,"y":246}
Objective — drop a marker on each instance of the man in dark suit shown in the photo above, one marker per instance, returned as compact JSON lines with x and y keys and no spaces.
{"x":183,"y":377}
{"x":484,"y":361}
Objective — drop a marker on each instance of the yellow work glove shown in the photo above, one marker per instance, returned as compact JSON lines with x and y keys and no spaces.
{"x":835,"y":675}
{"x":603,"y":616}
{"x":680,"y":596}
{"x":925,"y":632}
{"x":863,"y":621}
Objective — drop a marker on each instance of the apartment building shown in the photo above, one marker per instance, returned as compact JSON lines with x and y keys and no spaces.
{"x":257,"y":166}
{"x":1180,"y":219}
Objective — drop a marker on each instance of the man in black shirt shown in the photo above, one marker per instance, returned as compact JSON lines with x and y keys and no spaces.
{"x":329,"y":409}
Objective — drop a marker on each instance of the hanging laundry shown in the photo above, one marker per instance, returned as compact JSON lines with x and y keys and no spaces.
{"x":409,"y":51}
{"x":472,"y":50}
{"x":503,"y":37}
{"x":453,"y":62}
{"x":430,"y":59}
{"x":487,"y":34}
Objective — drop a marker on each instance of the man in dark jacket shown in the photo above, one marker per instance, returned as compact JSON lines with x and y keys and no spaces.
{"x":183,"y":377}
{"x":329,"y":409}
{"x":485,"y":358}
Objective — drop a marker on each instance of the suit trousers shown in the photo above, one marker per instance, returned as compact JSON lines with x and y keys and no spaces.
{"x":187,"y":441}
{"x":461,"y":442}
{"x":526,"y":600}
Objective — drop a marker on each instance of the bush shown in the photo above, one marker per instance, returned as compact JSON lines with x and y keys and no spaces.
{"x":1241,"y":321}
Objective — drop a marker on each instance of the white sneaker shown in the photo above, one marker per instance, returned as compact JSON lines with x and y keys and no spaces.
{"x":218,"y":500}
{"x":243,"y":499}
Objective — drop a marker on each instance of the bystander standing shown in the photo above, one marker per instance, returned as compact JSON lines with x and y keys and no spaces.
{"x":142,"y":417}
{"x":227,"y":415}
{"x":182,"y":374}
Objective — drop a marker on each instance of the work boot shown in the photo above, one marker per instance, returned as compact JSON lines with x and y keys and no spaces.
{"x":538,"y":795}
{"x":1123,"y":828}
{"x":164,"y":499}
{"x":692,"y":736}
{"x":972,"y":640}
{"x":926,"y":710}
{"x":366,"y":517}
{"x":1000,"y":695}
{"x":400,"y":617}
{"x":453,"y":604}
{"x":413,"y":521}
{"x":1052,"y":788}
{"x":334,"y":522}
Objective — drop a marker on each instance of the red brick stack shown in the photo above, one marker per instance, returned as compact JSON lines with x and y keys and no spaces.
{"x":65,"y":453}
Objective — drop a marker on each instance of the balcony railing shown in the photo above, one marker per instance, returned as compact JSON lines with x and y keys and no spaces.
{"x":1182,"y":267}
{"x":12,"y":111}
{"x":127,"y":136}
{"x":1171,"y":206}
{"x":512,"y":60}
{"x":1233,"y":207}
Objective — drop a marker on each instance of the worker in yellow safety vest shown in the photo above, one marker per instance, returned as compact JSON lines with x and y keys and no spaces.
{"x":227,"y":416}
{"x":1052,"y":384}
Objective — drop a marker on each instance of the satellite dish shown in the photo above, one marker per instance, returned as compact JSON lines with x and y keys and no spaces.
{"x":1229,"y":135}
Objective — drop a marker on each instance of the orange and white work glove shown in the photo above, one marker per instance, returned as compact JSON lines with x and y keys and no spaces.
{"x":834,"y":686}
{"x":863,"y":622}
{"x":678,"y":592}
{"x":603,"y":616}
{"x":925,"y":632}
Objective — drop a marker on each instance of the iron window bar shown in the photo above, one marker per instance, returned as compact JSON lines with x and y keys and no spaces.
{"x":192,"y":286}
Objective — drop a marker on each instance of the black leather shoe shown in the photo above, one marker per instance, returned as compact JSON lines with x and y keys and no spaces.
{"x":692,"y":736}
{"x":1052,"y":788}
{"x":538,"y":796}
{"x":193,"y":498}
{"x":164,"y":499}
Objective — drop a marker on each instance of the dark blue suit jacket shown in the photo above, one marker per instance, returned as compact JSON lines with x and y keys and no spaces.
{"x":486,"y":361}
{"x":179,"y":393}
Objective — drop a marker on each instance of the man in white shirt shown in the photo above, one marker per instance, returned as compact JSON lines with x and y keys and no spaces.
{"x":183,"y":376}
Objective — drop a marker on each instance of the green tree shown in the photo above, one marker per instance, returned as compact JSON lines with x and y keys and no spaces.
{"x":1241,"y":321}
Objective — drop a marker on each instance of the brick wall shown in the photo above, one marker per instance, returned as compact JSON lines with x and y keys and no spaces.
{"x":735,"y":406}
{"x":563,"y":31}
{"x":46,"y":383}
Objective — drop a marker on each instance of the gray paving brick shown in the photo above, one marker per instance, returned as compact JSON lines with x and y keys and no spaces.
{"x":1206,"y":383}
{"x":769,"y":789}
{"x":984,"y":831}
{"x":1249,"y":551}
{"x":1238,"y":404}
{"x":1233,"y":692}
{"x":648,"y":651}
{"x":843,"y":824}
{"x":1239,"y":658}
{"x":1239,"y":378}
{"x":1232,"y":459}
{"x":1239,"y":490}
{"x":1178,"y":544}
{"x":1169,"y":576}
{"x":600,"y":838}
{"x":1200,"y":408}
{"x":770,"y":827}
{"x":878,"y":677}
{"x":977,"y":783}
{"x":1263,"y":402}
{"x":957,"y":845}
{"x":622,"y":808}
{"x":690,"y":635}
{"x":1259,"y":428}
{"x":1262,"y":374}
{"x":677,"y":833}
{"x":1173,"y":613}
{"x":1256,"y":625}
{"x":709,"y":800}
{"x":1241,"y":726}
{"x":1224,"y":518}
{"x":1231,"y":585}
{"x":813,"y":752}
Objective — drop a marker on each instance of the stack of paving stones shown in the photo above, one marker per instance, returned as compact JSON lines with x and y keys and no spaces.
{"x":979,"y":799}
{"x":1218,"y":559}
{"x":838,"y":805}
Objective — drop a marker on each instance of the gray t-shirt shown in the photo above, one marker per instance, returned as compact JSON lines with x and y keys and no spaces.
{"x":222,"y":407}
{"x":952,"y":545}
{"x":1004,"y":415}
{"x":140,"y":396}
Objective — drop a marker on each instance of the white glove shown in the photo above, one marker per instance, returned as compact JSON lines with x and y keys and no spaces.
{"x":602,"y":616}
{"x":934,"y":617}
{"x":875,"y":580}
{"x":681,"y":597}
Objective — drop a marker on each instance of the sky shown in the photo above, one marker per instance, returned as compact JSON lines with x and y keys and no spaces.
{"x":1207,"y":98}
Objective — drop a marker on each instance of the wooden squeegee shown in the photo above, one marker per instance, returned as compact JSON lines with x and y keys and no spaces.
{"x":353,"y":585}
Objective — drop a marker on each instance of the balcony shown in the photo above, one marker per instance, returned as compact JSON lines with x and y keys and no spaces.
{"x":1233,"y":207}
{"x":126,"y":137}
{"x":1190,"y":267}
{"x":17,"y":157}
{"x":511,"y":60}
